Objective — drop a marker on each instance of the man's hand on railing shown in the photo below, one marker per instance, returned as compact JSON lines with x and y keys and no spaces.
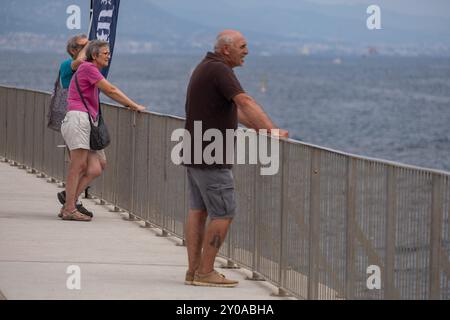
{"x":279,"y":133}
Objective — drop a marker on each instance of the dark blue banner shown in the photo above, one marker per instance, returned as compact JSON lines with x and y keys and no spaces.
{"x":104,"y":15}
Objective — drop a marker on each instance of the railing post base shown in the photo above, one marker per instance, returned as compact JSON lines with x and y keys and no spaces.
{"x":164,"y":233}
{"x":182,"y":243}
{"x":51,"y":180}
{"x":13,"y":163}
{"x":41,"y":175}
{"x":22,"y":166}
{"x":31,"y":171}
{"x":61,"y":185}
{"x":281,"y":293}
{"x":4,"y":160}
{"x":115,"y":209}
{"x":101,"y":202}
{"x":230,"y":265}
{"x":130,"y":217}
{"x":147,"y":225}
{"x":255,"y":277}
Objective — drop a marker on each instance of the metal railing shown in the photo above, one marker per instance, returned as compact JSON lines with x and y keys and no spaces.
{"x":312,"y":230}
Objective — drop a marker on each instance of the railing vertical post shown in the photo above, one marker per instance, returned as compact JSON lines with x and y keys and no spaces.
{"x":12,"y":125}
{"x":116,"y":164}
{"x":391,"y":198}
{"x":29,"y":131}
{"x":133,"y":164}
{"x":186,"y":205}
{"x":282,"y":276}
{"x":435,"y":234}
{"x":165,"y":198}
{"x":33,"y":160}
{"x":314,"y":221}
{"x":3,"y":123}
{"x":20,"y":113}
{"x":256,"y":248}
{"x":350,"y":224}
{"x":39,"y":133}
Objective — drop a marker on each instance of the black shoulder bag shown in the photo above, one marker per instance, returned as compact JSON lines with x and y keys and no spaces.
{"x":99,"y":138}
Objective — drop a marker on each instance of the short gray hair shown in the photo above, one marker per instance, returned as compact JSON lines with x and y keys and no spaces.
{"x":72,"y":44}
{"x":222,"y":40}
{"x":93,"y":49}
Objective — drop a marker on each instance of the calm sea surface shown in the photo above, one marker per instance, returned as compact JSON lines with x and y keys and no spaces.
{"x":390,"y":108}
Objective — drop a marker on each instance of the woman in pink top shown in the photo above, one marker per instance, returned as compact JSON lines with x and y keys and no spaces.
{"x":86,"y":164}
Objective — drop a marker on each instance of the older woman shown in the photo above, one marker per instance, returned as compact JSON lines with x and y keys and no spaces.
{"x":86,"y":164}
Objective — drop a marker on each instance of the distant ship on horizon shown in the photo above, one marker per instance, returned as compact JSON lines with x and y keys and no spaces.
{"x":337,"y":61}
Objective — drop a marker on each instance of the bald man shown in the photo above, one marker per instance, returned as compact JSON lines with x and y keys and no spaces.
{"x":216,"y":100}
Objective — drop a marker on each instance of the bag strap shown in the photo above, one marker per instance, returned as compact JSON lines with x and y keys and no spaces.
{"x":57,"y":82}
{"x":82,"y":99}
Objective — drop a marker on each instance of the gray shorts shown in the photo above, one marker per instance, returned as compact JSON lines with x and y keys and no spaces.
{"x":212,"y":190}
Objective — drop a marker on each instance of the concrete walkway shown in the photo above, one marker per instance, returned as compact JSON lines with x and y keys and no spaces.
{"x":117,"y":258}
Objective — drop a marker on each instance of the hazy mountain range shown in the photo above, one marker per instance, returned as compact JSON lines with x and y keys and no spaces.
{"x":272,"y":27}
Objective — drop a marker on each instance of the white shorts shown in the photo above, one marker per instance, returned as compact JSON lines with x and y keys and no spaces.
{"x":76,"y":130}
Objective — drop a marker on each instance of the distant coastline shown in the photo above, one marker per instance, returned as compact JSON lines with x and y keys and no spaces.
{"x":28,"y":42}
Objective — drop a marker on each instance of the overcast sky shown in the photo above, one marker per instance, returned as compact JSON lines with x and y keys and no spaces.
{"x":439,"y":8}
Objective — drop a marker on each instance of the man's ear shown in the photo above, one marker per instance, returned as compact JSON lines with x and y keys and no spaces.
{"x":226,"y":50}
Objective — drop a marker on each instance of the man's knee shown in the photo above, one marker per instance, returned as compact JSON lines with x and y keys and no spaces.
{"x":198,"y":214}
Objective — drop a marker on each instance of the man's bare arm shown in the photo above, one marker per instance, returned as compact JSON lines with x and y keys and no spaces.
{"x":252,"y":115}
{"x":242,"y":118}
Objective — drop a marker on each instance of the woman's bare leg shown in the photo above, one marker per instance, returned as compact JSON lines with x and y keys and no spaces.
{"x":94,"y":170}
{"x":77,"y":167}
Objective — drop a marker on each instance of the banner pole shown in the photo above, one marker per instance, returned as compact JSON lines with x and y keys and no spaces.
{"x":91,"y":11}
